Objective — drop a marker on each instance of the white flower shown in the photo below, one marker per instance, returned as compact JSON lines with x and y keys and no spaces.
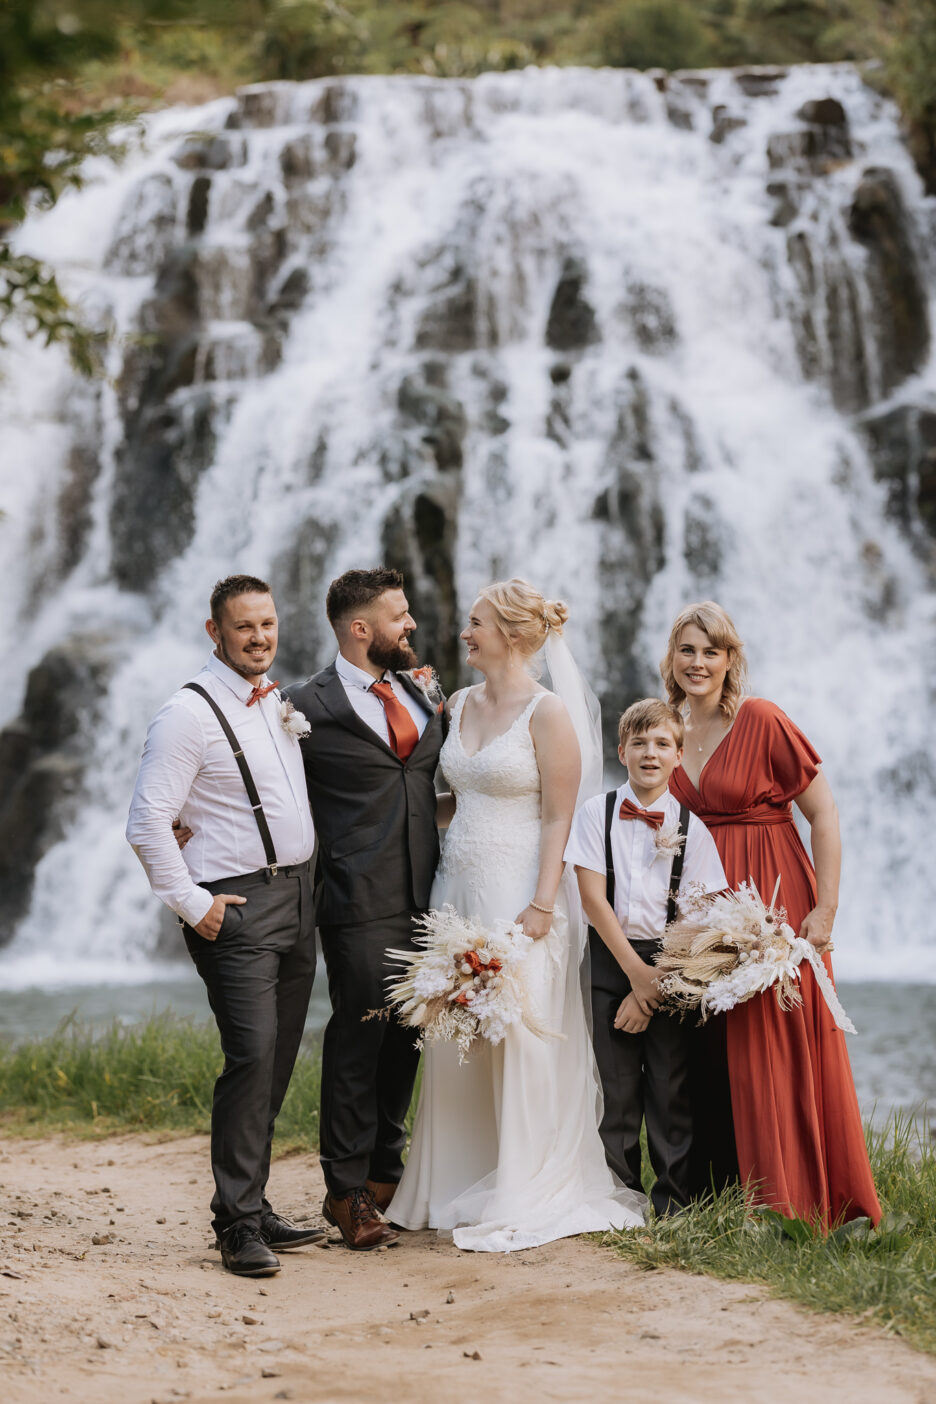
{"x":668,"y":841}
{"x":295,"y":723}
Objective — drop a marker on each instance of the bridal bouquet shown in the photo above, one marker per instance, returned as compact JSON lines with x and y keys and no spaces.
{"x":724,"y":950}
{"x":465,"y":981}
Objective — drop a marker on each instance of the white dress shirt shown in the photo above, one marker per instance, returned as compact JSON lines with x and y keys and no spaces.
{"x":641,"y":872}
{"x":358,"y":684}
{"x":188,"y":771}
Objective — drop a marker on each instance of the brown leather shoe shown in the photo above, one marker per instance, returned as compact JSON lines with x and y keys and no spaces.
{"x":382,"y":1192}
{"x":357,"y":1218}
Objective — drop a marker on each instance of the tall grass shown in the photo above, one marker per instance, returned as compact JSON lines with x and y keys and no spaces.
{"x":887,"y":1275}
{"x":149,"y":1076}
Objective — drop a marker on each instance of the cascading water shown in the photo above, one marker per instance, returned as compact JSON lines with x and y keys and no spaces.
{"x":642,"y":340}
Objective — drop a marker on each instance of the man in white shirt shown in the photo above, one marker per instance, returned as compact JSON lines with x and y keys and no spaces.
{"x":642,"y":1055}
{"x":242,"y":889}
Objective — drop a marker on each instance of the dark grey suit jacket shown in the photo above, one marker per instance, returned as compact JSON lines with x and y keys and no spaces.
{"x":374,"y":814}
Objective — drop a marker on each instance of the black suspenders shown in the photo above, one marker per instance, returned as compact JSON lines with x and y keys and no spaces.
{"x":244,"y":768}
{"x":678,"y":860}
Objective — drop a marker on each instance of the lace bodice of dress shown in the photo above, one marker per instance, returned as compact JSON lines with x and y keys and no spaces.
{"x":496,"y":828}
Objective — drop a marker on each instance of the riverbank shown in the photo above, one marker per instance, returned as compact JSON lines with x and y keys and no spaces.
{"x":149,"y":1315}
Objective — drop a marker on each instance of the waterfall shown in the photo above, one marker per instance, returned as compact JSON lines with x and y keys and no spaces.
{"x":643,"y":339}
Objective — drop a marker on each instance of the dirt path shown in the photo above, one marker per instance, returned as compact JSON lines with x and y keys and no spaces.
{"x":151,"y":1316}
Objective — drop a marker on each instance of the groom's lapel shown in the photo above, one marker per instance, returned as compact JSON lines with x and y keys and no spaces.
{"x":335,"y":700}
{"x":427,"y":706}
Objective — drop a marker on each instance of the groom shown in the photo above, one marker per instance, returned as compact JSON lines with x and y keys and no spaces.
{"x":370,"y":759}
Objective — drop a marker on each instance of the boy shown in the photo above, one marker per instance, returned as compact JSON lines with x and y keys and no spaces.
{"x":631,"y":849}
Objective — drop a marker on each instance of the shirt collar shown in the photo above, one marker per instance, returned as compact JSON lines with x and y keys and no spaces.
{"x":357,"y":677}
{"x":240,"y":686}
{"x":626,"y":791}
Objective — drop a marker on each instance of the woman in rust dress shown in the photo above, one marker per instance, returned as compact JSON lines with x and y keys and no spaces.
{"x":797,"y":1127}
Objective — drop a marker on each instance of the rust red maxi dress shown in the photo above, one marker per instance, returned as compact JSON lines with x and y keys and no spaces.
{"x":796,"y":1120}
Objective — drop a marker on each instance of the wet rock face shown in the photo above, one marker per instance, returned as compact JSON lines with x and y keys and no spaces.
{"x":878,"y":220}
{"x":572,"y":324}
{"x":419,"y":539}
{"x":42,"y":761}
{"x":306,"y":637}
{"x":902,"y":444}
{"x":631,"y":545}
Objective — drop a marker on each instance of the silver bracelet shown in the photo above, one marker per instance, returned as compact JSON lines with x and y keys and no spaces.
{"x":547,"y":911}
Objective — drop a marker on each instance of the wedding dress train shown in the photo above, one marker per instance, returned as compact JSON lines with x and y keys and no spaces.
{"x":505,"y":1147}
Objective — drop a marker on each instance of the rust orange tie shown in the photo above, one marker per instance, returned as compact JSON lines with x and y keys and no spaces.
{"x":653,"y":818}
{"x":404,"y":732}
{"x":260,"y":692}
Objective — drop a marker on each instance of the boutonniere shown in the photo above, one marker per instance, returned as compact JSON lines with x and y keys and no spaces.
{"x":295,"y":723}
{"x":427,"y":681}
{"x":668,"y":841}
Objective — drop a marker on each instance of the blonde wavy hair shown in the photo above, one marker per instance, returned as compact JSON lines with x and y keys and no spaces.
{"x":524,"y":615}
{"x":719,"y":629}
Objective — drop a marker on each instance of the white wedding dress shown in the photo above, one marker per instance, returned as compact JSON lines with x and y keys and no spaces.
{"x":505,"y":1148}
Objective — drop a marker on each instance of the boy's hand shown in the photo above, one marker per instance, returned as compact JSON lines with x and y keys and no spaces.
{"x":645,"y":988}
{"x":630,"y":1018}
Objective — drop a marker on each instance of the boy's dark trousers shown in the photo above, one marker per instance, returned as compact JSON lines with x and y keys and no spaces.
{"x":643,"y":1077}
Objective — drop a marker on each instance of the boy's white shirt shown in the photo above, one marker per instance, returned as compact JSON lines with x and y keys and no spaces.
{"x":641,"y":872}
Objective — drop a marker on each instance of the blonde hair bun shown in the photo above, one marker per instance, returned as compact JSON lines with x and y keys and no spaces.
{"x":524,"y":615}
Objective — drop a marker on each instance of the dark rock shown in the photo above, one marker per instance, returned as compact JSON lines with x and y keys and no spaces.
{"x":678,"y":111}
{"x":298,"y":579}
{"x":902,"y":445}
{"x":260,"y":106}
{"x":197,"y":215}
{"x":449,"y":323}
{"x":211,"y":153}
{"x":341,"y":149}
{"x":703,"y":542}
{"x":786,"y":195}
{"x":651,"y":317}
{"x":828,"y":313}
{"x":419,"y":539}
{"x":158,"y":466}
{"x":42,"y":759}
{"x":298,"y":158}
{"x":559,"y":372}
{"x":336,"y":103}
{"x":442,"y":415}
{"x":823,"y":112}
{"x":878,"y":220}
{"x":723,"y":124}
{"x":262,"y":212}
{"x":291,"y":294}
{"x":145,"y":228}
{"x":74,"y":504}
{"x":571,"y":325}
{"x":759,"y":82}
{"x":792,"y":148}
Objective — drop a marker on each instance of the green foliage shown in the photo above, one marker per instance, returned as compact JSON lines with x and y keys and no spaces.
{"x":652,"y":34}
{"x":887,"y":1274}
{"x":150,"y":1076}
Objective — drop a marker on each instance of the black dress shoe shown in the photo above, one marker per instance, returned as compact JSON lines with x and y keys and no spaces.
{"x":244,"y":1252}
{"x":280,"y":1233}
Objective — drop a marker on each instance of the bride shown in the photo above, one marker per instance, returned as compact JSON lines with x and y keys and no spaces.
{"x":505,"y":1147}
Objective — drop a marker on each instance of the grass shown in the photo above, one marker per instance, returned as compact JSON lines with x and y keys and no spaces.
{"x":157,"y":1076}
{"x":152,"y":1076}
{"x":886,"y":1275}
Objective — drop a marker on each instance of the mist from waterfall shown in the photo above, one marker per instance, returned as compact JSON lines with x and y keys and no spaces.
{"x":536,"y":323}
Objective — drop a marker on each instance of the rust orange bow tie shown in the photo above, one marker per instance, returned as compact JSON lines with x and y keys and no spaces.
{"x":404,"y":732}
{"x":259,"y":692}
{"x":653,"y":818}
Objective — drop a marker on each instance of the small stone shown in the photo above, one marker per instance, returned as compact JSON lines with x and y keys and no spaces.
{"x":450,"y":1299}
{"x":104,"y":1343}
{"x":269,"y":1372}
{"x":284,"y":1394}
{"x":271,"y":1347}
{"x":419,"y":1315}
{"x":251,"y":1320}
{"x":471,"y":1354}
{"x":100,"y":1238}
{"x":262,"y":1292}
{"x":160,"y":1221}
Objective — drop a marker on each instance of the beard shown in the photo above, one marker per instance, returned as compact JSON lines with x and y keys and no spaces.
{"x":246,"y":667}
{"x":395,"y":655}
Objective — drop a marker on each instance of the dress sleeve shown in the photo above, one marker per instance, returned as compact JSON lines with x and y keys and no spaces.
{"x":586,"y":845}
{"x":793,"y":761}
{"x":702,"y":866}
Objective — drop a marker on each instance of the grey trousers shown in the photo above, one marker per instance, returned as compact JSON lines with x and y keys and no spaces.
{"x":368,"y":1065}
{"x":258,"y":975}
{"x":644,"y":1077}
